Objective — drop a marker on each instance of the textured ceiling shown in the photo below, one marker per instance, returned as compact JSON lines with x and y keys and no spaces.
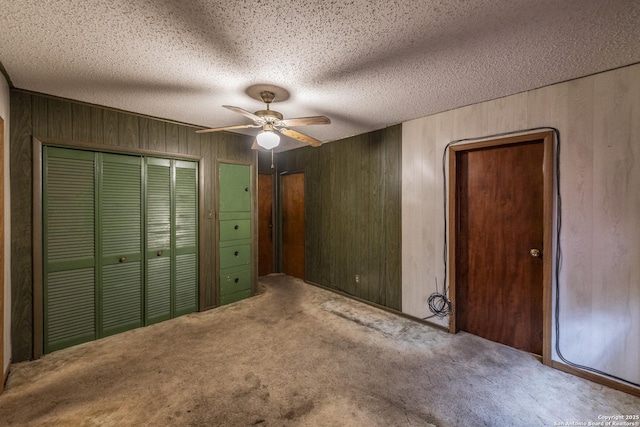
{"x":366,"y":64}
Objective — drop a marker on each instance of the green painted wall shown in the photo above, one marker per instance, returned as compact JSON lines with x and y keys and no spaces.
{"x":43,"y":116}
{"x":352,"y":212}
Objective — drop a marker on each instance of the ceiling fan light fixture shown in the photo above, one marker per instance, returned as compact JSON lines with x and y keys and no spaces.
{"x":268,"y":139}
{"x":270,"y":120}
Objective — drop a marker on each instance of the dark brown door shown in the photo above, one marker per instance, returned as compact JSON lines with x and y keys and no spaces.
{"x":265,"y":224}
{"x":293,"y":225}
{"x":1,"y":255}
{"x":498,"y":282}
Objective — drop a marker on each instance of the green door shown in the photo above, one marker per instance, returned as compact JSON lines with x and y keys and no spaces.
{"x":68,"y":247}
{"x":120,"y":243}
{"x":234,"y":243}
{"x":120,"y":233}
{"x":186,"y":237}
{"x":172,"y":238}
{"x":235,"y":187}
{"x":159,"y":230}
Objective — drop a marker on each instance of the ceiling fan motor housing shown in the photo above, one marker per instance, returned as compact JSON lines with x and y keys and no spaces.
{"x":269,"y":115}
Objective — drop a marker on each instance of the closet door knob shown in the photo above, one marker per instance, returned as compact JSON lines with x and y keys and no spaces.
{"x":236,"y":253}
{"x":236,"y":227}
{"x":122,"y":259}
{"x":246,"y":189}
{"x":159,"y":253}
{"x":237,"y":280}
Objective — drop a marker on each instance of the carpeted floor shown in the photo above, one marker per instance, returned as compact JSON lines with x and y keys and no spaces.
{"x":297,"y":355}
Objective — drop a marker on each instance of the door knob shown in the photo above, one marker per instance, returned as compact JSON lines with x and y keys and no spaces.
{"x":535,"y":253}
{"x":122,"y":259}
{"x":159,"y":253}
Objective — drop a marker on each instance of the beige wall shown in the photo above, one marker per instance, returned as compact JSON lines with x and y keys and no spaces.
{"x":4,"y":113}
{"x":599,"y":121}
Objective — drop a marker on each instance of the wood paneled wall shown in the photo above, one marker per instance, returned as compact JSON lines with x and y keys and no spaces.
{"x":599,"y":121}
{"x":43,"y":116}
{"x":352,"y":189}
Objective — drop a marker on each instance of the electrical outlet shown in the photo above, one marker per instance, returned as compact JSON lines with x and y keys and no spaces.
{"x":357,"y":278}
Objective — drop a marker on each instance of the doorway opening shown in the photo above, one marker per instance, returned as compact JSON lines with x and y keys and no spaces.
{"x":500,"y":198}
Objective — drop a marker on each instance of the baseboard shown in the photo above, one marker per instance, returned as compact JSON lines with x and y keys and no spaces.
{"x":596,"y":378}
{"x":381,"y":307}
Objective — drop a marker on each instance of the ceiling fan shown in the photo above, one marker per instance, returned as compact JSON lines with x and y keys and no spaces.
{"x":271,"y":121}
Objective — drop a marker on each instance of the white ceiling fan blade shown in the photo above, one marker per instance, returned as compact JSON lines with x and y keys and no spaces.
{"x":305,"y":121}
{"x":301,"y":137}
{"x":245,"y":113}
{"x":227,"y":128}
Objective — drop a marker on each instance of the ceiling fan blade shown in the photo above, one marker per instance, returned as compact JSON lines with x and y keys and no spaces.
{"x":255,"y":145}
{"x":245,"y":113}
{"x":305,"y":121}
{"x":227,"y":128}
{"x":301,"y":137}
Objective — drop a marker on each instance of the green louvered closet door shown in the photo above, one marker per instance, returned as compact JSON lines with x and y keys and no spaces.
{"x":120,"y":243}
{"x":172,"y":239}
{"x":159,"y":242}
{"x":120,"y":234}
{"x":69,"y":245}
{"x":186,"y":237}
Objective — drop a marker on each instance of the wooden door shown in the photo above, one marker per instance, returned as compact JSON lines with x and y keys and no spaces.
{"x":265,"y":224}
{"x":1,"y":255}
{"x":499,"y":220}
{"x":293,"y":225}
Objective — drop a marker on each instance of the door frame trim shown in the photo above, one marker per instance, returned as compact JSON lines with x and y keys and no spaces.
{"x":36,"y":218}
{"x":548,"y":242}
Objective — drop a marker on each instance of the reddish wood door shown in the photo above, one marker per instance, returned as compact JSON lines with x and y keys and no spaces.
{"x":293,"y":225}
{"x":1,"y":255}
{"x":499,"y":220}
{"x":265,"y":224}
